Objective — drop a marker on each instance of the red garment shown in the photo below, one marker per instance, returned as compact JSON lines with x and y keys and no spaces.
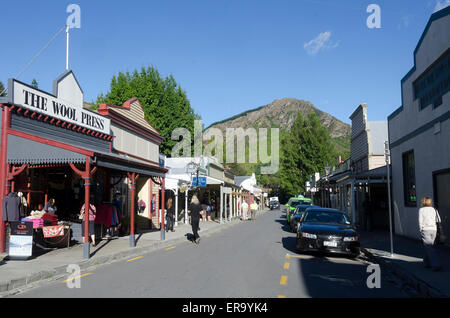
{"x":104,"y":215}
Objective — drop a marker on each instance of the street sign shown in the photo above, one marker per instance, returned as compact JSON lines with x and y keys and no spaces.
{"x":201,"y":183}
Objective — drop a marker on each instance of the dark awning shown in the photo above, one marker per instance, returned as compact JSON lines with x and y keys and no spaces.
{"x":127,"y":164}
{"x":25,"y":151}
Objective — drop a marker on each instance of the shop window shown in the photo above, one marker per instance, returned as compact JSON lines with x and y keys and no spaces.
{"x":409,"y":179}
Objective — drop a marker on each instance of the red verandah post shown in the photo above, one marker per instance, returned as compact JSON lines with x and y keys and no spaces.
{"x":6,"y":122}
{"x":163,"y":190}
{"x":132,"y":177}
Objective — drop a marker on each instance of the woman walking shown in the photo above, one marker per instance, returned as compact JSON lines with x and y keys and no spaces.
{"x":92,"y":212}
{"x":170,"y":215}
{"x":194,"y":211}
{"x":428,"y":217}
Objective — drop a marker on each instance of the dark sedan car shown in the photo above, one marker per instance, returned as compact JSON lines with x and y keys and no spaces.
{"x":274,"y":204}
{"x":327,"y":230}
{"x":298,"y":214}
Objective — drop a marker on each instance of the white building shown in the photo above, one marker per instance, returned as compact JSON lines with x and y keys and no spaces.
{"x":419,"y":131}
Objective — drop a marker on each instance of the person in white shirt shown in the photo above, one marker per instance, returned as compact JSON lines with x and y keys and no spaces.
{"x":428,"y":217}
{"x":244,"y":208}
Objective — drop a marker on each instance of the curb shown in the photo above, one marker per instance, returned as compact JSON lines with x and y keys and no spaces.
{"x":7,"y":287}
{"x":422,"y":288}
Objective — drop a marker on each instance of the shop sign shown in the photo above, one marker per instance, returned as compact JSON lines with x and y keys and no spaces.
{"x":47,"y":104}
{"x":21,"y":240}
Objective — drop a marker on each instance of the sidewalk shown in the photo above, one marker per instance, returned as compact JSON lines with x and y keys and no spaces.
{"x":53,"y":264}
{"x":408,"y":262}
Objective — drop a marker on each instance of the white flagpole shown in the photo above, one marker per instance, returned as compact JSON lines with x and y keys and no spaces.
{"x":67,"y":47}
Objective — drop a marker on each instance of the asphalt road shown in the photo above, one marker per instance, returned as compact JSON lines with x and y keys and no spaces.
{"x":253,"y":259}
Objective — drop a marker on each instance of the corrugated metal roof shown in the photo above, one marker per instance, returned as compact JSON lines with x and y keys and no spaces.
{"x":24,"y":151}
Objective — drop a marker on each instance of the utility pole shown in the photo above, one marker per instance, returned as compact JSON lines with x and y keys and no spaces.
{"x":387,"y":155}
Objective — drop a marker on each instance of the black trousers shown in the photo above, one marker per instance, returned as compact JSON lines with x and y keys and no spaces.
{"x":195,"y":225}
{"x":170,"y":222}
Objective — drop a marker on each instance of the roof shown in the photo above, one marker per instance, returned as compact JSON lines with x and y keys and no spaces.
{"x":378,"y":136}
{"x":132,"y":110}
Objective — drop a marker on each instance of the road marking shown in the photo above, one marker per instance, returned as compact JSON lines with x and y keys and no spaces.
{"x":170,"y":248}
{"x":281,"y":296}
{"x":208,"y":235}
{"x":283,"y":280}
{"x":73,"y":278}
{"x":286,"y":265}
{"x":136,"y":258}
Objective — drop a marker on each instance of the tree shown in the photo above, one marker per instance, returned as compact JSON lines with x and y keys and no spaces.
{"x":2,"y":88}
{"x":34,"y":83}
{"x":165,"y":104}
{"x":305,"y":149}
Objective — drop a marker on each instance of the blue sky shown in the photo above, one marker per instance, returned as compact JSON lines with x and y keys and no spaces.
{"x":228,"y":55}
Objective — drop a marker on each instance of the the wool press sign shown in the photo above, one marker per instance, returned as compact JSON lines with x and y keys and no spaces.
{"x":47,"y":104}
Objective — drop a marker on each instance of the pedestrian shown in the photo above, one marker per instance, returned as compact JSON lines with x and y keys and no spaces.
{"x":170,"y":215}
{"x":244,"y":210}
{"x":428,"y":217}
{"x":203,"y":213}
{"x":254,"y":208}
{"x":92,"y":213}
{"x":194,"y":211}
{"x":50,"y":206}
{"x":208,"y":212}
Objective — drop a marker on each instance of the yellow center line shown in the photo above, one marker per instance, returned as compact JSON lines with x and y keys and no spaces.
{"x":71,"y":279}
{"x":136,"y":258}
{"x":286,"y":265}
{"x":170,"y":248}
{"x":281,"y":296}
{"x":208,"y":235}
{"x":283,"y":280}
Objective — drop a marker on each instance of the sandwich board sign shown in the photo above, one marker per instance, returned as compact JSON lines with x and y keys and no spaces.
{"x":21,"y":240}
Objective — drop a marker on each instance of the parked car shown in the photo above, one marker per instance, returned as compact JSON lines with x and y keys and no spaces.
{"x":293,"y":203}
{"x":297,"y":215}
{"x":274,"y":204}
{"x":327,"y":230}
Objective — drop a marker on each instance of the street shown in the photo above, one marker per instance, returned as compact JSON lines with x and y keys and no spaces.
{"x":252,"y":259}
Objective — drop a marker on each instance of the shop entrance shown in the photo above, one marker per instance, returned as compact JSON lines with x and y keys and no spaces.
{"x":441,"y":182}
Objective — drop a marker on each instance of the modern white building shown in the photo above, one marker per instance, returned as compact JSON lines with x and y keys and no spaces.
{"x":419,"y":131}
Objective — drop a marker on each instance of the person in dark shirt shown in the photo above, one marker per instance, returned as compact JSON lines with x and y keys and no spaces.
{"x":170,"y":215}
{"x":194,"y":211}
{"x":50,"y":206}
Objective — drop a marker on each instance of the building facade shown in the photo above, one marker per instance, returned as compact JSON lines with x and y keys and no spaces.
{"x":419,"y":131}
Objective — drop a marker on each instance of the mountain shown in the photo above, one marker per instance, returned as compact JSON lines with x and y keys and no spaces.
{"x":282,"y":113}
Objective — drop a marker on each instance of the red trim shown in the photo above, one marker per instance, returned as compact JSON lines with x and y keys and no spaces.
{"x":26,"y":112}
{"x":51,"y":142}
{"x":33,"y":114}
{"x":52,"y":120}
{"x":64,"y":124}
{"x":57,"y":123}
{"x":68,"y":126}
{"x":40,"y":116}
{"x":46,"y":118}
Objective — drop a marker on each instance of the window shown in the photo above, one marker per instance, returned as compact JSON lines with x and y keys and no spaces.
{"x":409,"y":179}
{"x":433,"y":83}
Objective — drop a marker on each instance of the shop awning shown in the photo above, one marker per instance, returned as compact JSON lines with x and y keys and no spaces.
{"x":127,"y":164}
{"x":25,"y":151}
{"x":212,"y":181}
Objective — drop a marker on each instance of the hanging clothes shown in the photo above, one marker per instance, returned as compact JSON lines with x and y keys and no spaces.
{"x":11,"y":207}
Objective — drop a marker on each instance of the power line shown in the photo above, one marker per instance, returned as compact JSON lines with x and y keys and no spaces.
{"x":37,"y":55}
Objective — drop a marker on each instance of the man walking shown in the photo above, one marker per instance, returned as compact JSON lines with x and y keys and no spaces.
{"x":244,"y":210}
{"x":254,"y":208}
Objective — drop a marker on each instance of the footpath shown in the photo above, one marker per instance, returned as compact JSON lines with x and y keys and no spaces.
{"x":407,"y":262}
{"x":53,"y":264}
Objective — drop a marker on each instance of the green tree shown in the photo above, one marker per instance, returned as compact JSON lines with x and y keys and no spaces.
{"x":34,"y":83}
{"x":2,"y":88}
{"x":305,"y":149}
{"x":165,"y":104}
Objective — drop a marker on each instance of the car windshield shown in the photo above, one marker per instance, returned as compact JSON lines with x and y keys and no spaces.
{"x":299,"y":202}
{"x":326,"y":217}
